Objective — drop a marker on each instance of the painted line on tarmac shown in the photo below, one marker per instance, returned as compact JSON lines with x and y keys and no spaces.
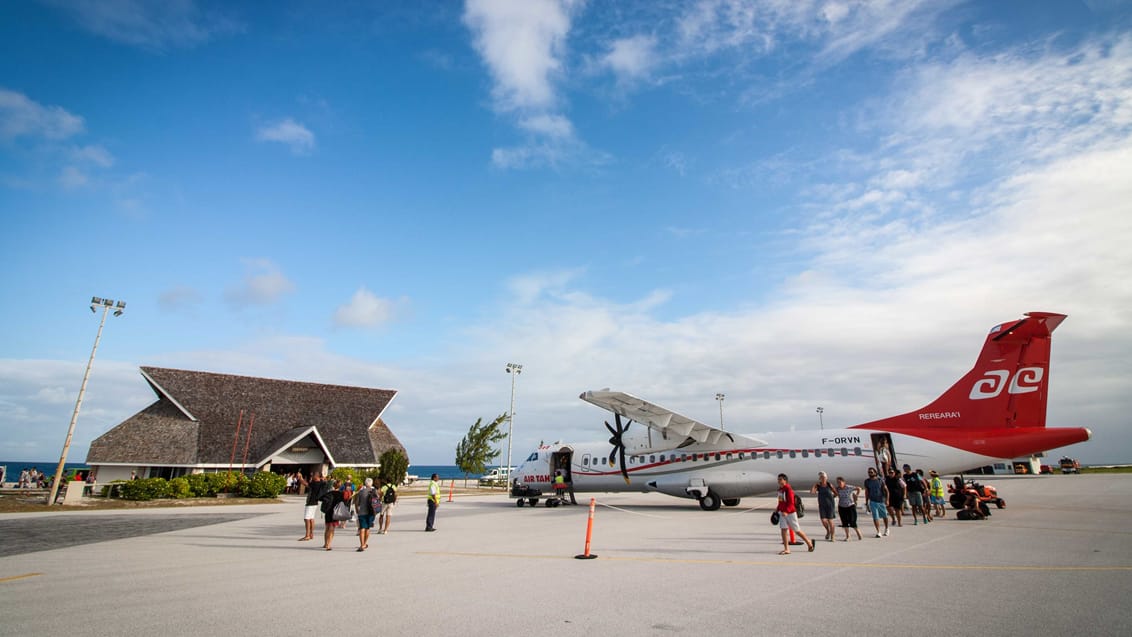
{"x":671,"y":560}
{"x":18,"y":577}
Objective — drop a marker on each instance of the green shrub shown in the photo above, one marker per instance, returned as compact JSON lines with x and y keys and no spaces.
{"x":201,"y":485}
{"x":342,"y":474}
{"x":264,"y":484}
{"x":146,"y":489}
{"x":179,"y":488}
{"x":394,"y":466}
{"x":224,"y":482}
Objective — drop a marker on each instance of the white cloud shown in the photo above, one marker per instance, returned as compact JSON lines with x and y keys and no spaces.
{"x":21,"y":116}
{"x":552,"y":126}
{"x":288,"y":131}
{"x":365,"y":309}
{"x":150,"y":24}
{"x":632,"y":59}
{"x":263,"y":284}
{"x":523,"y":45}
{"x":93,"y":155}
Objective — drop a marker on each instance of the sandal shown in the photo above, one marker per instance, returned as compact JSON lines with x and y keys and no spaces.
{"x":784,"y":552}
{"x":812,"y":546}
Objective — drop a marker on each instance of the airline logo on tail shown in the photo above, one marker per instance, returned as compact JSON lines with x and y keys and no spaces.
{"x":1026,"y":380}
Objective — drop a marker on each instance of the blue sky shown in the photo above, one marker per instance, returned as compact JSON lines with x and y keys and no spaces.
{"x":796,"y":203}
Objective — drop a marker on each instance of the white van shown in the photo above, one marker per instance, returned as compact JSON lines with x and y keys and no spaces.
{"x":499,"y":476}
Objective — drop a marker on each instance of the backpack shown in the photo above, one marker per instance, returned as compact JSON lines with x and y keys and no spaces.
{"x":374,"y":501}
{"x":798,"y":506}
{"x":390,"y":495}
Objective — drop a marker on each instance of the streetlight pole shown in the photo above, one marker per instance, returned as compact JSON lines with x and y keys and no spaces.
{"x":95,"y":302}
{"x":720,"y":398}
{"x":821,"y":423}
{"x":514,"y":369}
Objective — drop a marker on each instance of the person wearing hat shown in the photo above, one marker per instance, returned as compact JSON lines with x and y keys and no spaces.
{"x":935,"y":492}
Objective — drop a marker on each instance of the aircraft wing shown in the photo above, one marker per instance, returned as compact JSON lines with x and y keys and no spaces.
{"x":660,"y":419}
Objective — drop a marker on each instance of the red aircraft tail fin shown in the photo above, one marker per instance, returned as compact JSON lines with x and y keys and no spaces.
{"x":1007,"y":388}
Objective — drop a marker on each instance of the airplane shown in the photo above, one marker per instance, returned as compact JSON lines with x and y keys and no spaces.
{"x":997,"y":410}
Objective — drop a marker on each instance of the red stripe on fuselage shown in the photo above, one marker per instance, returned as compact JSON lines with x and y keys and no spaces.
{"x":1016,"y":442}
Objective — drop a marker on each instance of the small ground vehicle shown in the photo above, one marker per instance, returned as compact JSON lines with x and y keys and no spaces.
{"x":496,"y":477}
{"x":961,"y":490}
{"x":1047,"y":469}
{"x":1069,"y":465}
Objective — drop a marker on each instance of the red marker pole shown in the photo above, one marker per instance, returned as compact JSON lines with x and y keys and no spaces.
{"x":451,"y":487}
{"x":589,"y":533}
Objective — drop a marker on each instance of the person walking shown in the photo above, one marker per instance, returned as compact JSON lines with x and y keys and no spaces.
{"x":895,"y":485}
{"x":433,"y":502}
{"x":876,"y":499}
{"x":916,"y":488}
{"x":788,"y":516}
{"x":316,"y":488}
{"x":827,"y":503}
{"x":935,"y":490}
{"x":388,"y":493}
{"x":363,"y":505}
{"x":847,"y":506}
{"x":330,"y":499}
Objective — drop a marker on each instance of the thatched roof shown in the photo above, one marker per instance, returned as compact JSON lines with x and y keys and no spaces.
{"x":195,"y":418}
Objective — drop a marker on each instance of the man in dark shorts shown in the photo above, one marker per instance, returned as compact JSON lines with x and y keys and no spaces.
{"x":895,"y":485}
{"x":364,"y":508}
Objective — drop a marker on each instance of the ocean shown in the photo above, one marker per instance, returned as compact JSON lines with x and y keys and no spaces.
{"x":14,"y":467}
{"x":445,"y":471}
{"x":422,"y":471}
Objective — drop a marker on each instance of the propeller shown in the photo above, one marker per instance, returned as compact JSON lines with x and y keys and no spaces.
{"x":618,"y":444}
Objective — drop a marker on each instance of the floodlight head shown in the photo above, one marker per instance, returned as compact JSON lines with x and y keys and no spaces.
{"x":92,"y":308}
{"x":121,"y":305}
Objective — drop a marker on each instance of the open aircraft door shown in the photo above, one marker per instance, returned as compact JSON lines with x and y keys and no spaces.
{"x":884,"y":455}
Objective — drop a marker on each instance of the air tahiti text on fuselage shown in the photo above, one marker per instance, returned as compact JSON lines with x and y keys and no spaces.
{"x":841,"y":440}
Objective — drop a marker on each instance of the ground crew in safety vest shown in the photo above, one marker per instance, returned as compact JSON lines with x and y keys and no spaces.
{"x":561,"y":488}
{"x":433,"y":502}
{"x":936,"y":493}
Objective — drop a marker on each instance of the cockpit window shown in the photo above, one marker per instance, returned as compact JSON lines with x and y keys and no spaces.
{"x":532,"y":457}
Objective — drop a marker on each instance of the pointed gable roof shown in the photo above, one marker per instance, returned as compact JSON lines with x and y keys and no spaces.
{"x":208,"y":405}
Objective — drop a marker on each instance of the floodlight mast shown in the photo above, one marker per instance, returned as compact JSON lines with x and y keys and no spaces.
{"x":514,"y":369}
{"x":106,"y":305}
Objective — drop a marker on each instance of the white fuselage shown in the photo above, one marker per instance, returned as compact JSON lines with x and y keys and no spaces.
{"x":733,"y":471}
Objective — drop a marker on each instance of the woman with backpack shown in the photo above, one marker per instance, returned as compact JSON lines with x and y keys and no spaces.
{"x":388,"y":501}
{"x":363,"y":502}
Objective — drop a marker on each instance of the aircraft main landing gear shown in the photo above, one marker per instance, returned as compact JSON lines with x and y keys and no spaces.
{"x":710,"y":501}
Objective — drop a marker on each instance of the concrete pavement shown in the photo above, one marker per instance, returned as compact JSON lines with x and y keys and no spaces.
{"x":1058,"y":559}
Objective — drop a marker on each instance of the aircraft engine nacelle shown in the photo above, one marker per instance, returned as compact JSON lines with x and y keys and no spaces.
{"x":645,"y":440}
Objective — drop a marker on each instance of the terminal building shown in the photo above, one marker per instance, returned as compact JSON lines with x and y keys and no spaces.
{"x":207,"y":422}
